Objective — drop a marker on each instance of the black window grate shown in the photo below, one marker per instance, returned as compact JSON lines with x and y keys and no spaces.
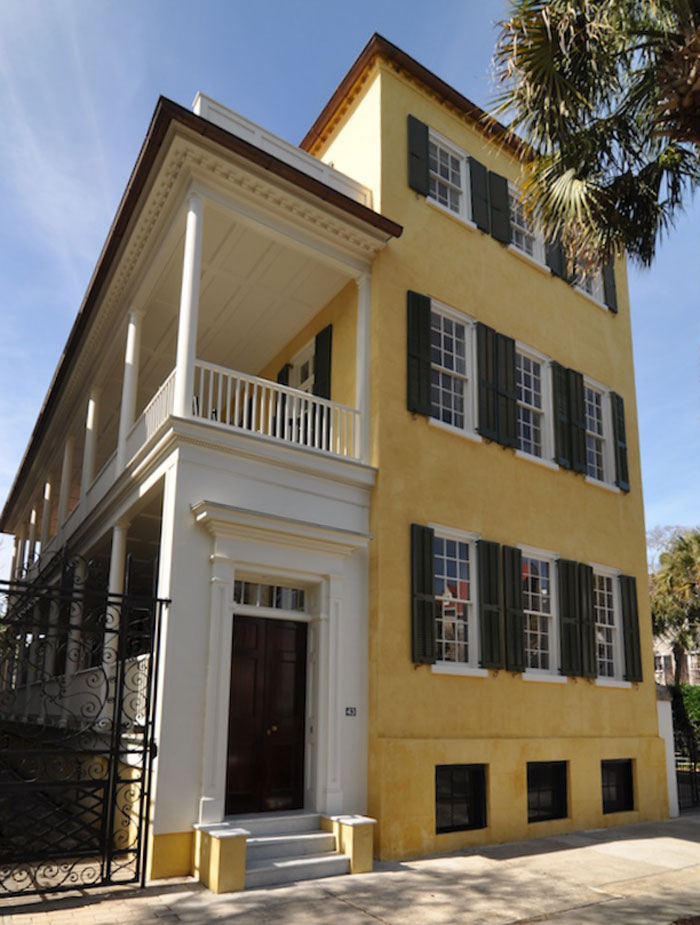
{"x":460,"y":797}
{"x":546,"y":790}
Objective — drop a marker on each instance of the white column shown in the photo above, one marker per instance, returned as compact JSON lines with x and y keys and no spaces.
{"x":31,"y":542}
{"x":45,"y":517}
{"x":74,"y":659}
{"x":362,"y":360}
{"x":15,"y":556}
{"x":117,"y":561}
{"x":21,"y":552}
{"x":189,"y":309}
{"x":130,"y":384}
{"x":66,"y":479}
{"x":90,"y":448}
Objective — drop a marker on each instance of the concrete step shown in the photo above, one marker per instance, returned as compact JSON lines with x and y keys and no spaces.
{"x":295,"y":844}
{"x":269,"y":871}
{"x":260,"y":824}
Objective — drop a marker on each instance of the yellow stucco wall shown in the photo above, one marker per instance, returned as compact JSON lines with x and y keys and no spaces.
{"x":428,"y":475}
{"x":341,"y":312}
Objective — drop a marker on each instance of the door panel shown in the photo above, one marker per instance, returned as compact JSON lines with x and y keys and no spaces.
{"x":266,"y":716}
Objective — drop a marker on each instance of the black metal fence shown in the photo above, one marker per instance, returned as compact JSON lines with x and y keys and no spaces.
{"x":78,"y":673}
{"x":687,"y":748}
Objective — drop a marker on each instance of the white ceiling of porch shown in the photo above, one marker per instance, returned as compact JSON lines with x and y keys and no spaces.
{"x":256,"y":293}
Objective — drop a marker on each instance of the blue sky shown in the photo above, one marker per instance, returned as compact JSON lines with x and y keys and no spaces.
{"x":79,"y":80}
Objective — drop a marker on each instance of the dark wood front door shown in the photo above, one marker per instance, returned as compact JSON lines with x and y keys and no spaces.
{"x":266,"y":716}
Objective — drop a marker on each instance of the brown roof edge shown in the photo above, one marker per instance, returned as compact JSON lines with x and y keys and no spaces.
{"x":167,"y":111}
{"x":379,"y":46}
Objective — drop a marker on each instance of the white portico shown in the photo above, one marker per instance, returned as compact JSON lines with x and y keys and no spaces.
{"x":179,"y":435}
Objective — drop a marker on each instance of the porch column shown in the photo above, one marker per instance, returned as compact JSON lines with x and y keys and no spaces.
{"x":189,"y":309}
{"x":362,"y":447}
{"x":15,"y":556}
{"x":129,"y":384}
{"x":31,"y":542}
{"x":90,"y":448}
{"x":117,"y":562}
{"x":21,"y":552}
{"x":66,"y":479}
{"x":45,"y":517}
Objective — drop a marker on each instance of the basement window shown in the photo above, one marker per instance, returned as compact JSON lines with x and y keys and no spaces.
{"x":618,"y":792}
{"x":546,"y":790}
{"x":460,"y":797}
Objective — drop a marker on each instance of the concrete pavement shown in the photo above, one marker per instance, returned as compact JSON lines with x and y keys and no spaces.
{"x":647,"y":874}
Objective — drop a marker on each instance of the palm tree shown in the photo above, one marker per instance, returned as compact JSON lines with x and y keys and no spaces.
{"x":606,"y":94}
{"x":675,"y":597}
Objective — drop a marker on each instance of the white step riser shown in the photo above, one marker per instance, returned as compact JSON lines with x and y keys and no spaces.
{"x":304,"y":870}
{"x":289,"y":846}
{"x":279,"y":825}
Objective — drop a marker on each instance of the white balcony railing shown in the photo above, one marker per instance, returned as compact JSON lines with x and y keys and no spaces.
{"x":246,"y":403}
{"x":155,"y":414}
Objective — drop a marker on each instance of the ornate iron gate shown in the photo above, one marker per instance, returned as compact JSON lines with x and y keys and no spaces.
{"x":77,"y":696}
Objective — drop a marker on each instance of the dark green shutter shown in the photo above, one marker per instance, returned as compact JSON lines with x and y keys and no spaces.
{"x":630,"y":628}
{"x":487,"y":363}
{"x":500,"y":208}
{"x":556,"y":259}
{"x":490,"y":594}
{"x":589,"y":660}
{"x":622,"y":477}
{"x":322,"y":362}
{"x":507,"y":392}
{"x":418,"y":359}
{"x":610,"y":287}
{"x":497,"y":389}
{"x":577,"y":418}
{"x":478,"y":183}
{"x":569,"y":622}
{"x":513,"y":607}
{"x":422,"y":595}
{"x":418,"y":172}
{"x":283,"y":374}
{"x":562,"y":427}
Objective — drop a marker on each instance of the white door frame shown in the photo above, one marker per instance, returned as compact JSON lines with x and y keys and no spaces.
{"x":233,"y":532}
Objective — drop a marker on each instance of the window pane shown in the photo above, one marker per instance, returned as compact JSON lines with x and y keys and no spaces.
{"x":528,"y":382}
{"x":452,"y":588}
{"x":537,"y":604}
{"x":448,"y":375}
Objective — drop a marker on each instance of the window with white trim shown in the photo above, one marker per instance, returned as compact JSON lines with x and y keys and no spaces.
{"x":538,"y":606}
{"x":523,"y":235}
{"x":592,"y":285}
{"x":453,"y":563}
{"x":595,"y":433}
{"x":530,"y":404}
{"x":607,"y":624}
{"x":450,"y":355}
{"x":446,"y":174}
{"x":301,"y":374}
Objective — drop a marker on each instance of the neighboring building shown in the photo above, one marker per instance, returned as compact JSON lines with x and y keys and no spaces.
{"x":360,"y":394}
{"x":665,"y":664}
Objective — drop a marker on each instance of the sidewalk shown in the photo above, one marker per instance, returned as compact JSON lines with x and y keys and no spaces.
{"x":647,"y":874}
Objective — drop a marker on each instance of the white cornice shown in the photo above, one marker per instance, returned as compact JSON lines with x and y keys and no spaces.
{"x":243,"y":523}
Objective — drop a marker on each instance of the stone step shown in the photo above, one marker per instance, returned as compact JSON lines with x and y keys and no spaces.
{"x":295,"y":844}
{"x":269,"y":871}
{"x":260,"y":824}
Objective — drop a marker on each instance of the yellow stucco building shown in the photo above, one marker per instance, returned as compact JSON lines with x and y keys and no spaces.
{"x":542,"y":461}
{"x":374,"y":450}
